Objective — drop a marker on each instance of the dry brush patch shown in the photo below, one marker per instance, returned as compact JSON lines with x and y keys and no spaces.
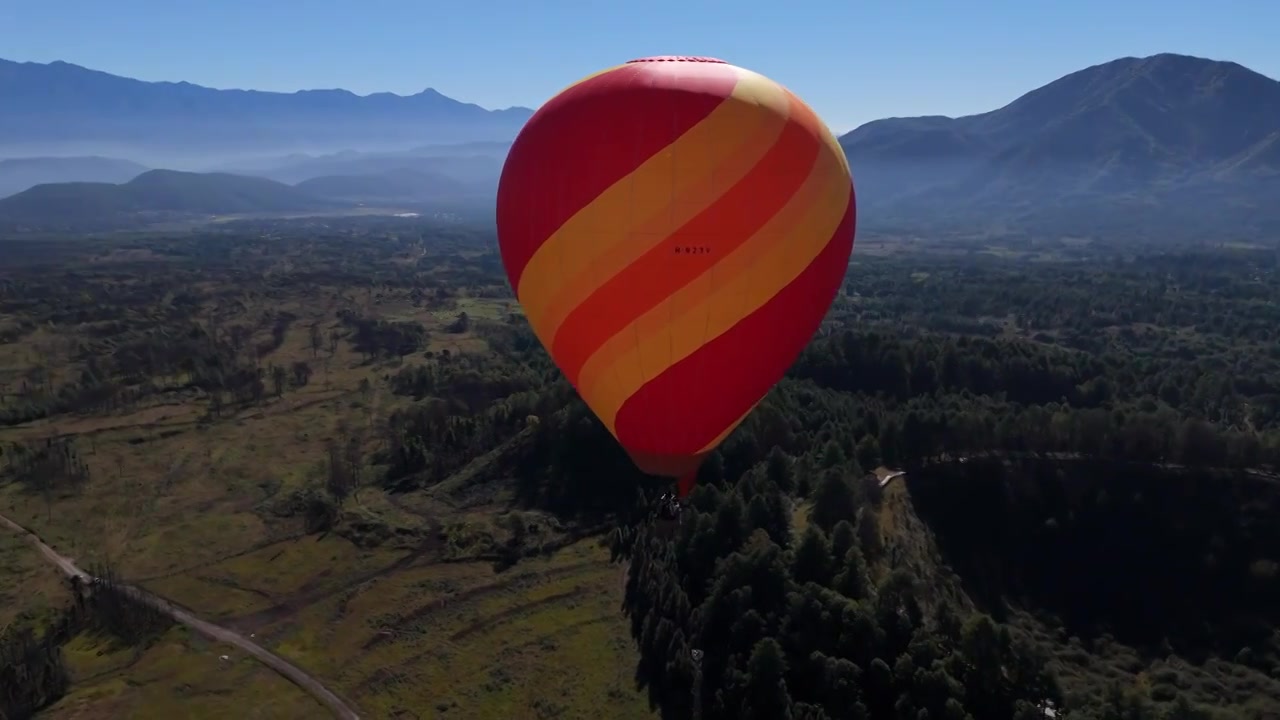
{"x":544,"y":639}
{"x":181,"y":675}
{"x":180,"y":500}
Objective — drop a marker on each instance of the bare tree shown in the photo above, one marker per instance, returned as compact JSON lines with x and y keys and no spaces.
{"x":301,"y":373}
{"x":279,"y":379}
{"x":338,"y":480}
{"x":353,"y":456}
{"x":316,"y":339}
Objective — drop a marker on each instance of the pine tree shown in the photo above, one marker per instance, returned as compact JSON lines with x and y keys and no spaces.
{"x":778,"y":470}
{"x":812,"y":559}
{"x":843,"y":537}
{"x":832,"y":501}
{"x":854,"y":580}
{"x":766,"y":692}
{"x":868,"y":451}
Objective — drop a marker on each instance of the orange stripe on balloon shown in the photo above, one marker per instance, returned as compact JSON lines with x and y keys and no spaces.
{"x":846,"y":227}
{"x":739,"y":365}
{"x":589,"y":78}
{"x":741,"y":283}
{"x":721,"y":229}
{"x":825,"y":136}
{"x":638,"y":211}
{"x":737,"y":137}
{"x":583,"y":140}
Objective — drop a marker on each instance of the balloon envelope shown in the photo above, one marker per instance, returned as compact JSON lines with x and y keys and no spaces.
{"x":675,"y":229}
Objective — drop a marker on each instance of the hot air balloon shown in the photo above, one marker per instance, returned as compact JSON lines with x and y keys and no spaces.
{"x":675,"y":228}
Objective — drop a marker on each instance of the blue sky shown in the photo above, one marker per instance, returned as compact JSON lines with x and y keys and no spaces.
{"x":853,"y":60}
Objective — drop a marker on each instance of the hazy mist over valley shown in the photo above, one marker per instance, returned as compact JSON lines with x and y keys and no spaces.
{"x":1114,"y":149}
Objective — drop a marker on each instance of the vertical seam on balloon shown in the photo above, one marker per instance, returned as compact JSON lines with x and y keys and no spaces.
{"x":706,"y":329}
{"x":559,"y":196}
{"x":636,"y":330}
{"x":671,"y":212}
{"x":813,"y":289}
{"x":701,"y":374}
{"x":746,"y":287}
{"x":631,"y":208}
{"x":604,"y":137}
{"x":814,"y":292}
{"x":559,"y":203}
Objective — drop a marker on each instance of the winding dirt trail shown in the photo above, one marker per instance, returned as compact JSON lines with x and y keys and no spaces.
{"x":288,"y":670}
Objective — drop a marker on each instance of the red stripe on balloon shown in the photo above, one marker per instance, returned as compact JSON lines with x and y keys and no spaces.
{"x":730,"y":220}
{"x":586,"y":139}
{"x":694,"y":400}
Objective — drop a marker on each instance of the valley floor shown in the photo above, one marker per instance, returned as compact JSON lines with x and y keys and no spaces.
{"x":409,"y":620}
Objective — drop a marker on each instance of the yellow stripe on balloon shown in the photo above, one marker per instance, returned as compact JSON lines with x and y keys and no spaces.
{"x":636,"y":213}
{"x":825,"y":136}
{"x":592,"y":76}
{"x":731,"y":290}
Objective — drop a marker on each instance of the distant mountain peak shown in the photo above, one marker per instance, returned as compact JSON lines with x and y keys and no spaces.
{"x":1139,"y":135}
{"x":1177,"y":61}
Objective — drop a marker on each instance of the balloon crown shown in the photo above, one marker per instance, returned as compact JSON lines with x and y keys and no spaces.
{"x":677,"y":58}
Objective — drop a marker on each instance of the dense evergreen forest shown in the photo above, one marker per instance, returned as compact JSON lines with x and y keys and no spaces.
{"x":1158,"y":378}
{"x":1086,"y":528}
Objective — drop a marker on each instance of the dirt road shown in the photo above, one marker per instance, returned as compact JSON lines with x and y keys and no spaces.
{"x":290,"y":671}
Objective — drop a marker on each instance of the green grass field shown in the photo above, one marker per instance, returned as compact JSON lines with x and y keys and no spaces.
{"x":180,"y":506}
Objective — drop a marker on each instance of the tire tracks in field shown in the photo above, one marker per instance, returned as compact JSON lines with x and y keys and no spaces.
{"x":491,"y":621}
{"x":293,"y":604}
{"x":286,"y":669}
{"x":261,"y":545}
{"x":439,"y":604}
{"x":387,"y":673}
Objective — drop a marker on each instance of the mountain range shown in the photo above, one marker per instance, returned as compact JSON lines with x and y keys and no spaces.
{"x":1155,"y":147}
{"x":59,"y":108}
{"x":1136,"y":146}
